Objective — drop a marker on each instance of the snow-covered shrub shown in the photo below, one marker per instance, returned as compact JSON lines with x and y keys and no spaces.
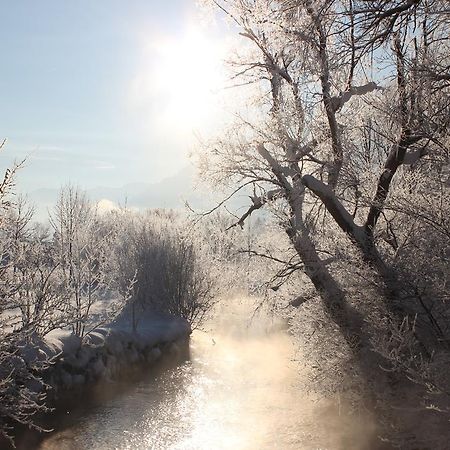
{"x":166,"y":266}
{"x":82,"y":243}
{"x":22,"y":392}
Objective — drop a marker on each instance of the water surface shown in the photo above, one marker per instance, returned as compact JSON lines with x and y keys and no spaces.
{"x":242,"y":388}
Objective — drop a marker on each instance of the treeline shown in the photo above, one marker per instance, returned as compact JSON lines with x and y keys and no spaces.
{"x":83,"y":269}
{"x":86,"y":266}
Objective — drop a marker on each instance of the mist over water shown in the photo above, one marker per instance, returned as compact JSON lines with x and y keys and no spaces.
{"x":242,"y":388}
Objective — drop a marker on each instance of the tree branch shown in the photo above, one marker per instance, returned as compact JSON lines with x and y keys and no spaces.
{"x":337,"y":102}
{"x":258,"y":202}
{"x":342,"y":217}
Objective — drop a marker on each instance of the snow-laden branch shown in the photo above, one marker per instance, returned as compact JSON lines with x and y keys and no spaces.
{"x":395,"y":159}
{"x":267,"y":197}
{"x":288,"y":264}
{"x":274,"y":164}
{"x":220,"y":204}
{"x":342,"y":217}
{"x":337,"y":102}
{"x":278,"y":170}
{"x":296,"y":153}
{"x":378,"y":14}
{"x":257,"y":203}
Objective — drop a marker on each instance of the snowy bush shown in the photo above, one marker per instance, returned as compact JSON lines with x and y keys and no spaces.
{"x":166,"y":266}
{"x":22,"y":392}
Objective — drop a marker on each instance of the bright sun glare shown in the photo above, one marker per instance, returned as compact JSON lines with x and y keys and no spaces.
{"x":182,"y":81}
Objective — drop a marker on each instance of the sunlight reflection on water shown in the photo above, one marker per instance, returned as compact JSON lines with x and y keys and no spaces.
{"x":238,"y":391}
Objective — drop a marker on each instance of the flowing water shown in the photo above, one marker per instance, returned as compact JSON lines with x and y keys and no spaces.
{"x":241,"y":388}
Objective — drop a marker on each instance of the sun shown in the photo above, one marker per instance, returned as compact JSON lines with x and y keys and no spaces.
{"x":183,"y":80}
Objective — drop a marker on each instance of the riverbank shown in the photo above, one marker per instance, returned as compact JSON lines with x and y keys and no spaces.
{"x":241,"y":388}
{"x":98,"y":362}
{"x":110,"y":353}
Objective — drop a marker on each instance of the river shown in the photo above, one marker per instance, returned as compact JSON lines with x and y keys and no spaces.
{"x":241,"y":388}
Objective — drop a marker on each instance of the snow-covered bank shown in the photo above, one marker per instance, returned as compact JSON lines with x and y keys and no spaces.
{"x":110,"y":352}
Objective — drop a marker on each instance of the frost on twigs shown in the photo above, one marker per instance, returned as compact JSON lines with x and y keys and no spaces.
{"x":362,"y":179}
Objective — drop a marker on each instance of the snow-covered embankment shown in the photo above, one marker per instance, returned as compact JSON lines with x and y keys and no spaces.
{"x":111,"y":352}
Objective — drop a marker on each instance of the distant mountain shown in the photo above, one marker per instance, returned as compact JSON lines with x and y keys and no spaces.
{"x":172,"y":192}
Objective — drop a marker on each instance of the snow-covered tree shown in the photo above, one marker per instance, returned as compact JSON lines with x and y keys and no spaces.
{"x":82,"y":244}
{"x":165,"y":264}
{"x":346,"y":125}
{"x":22,"y":393}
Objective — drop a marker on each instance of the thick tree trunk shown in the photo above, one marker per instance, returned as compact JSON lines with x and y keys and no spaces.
{"x":363,"y":239}
{"x":349,"y":321}
{"x":352,"y":326}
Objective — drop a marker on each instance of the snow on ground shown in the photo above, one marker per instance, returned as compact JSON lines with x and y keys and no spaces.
{"x":111,"y":351}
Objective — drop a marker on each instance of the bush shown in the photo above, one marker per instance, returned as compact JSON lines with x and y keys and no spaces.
{"x":166,"y":264}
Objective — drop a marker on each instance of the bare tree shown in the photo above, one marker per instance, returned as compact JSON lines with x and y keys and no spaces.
{"x":22,"y":391}
{"x":82,"y":242}
{"x":351,"y":98}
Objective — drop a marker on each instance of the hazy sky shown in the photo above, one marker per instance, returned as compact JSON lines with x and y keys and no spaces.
{"x":100,"y":91}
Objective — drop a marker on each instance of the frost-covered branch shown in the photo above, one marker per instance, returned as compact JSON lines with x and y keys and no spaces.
{"x":342,"y":217}
{"x":395,"y":158}
{"x":337,"y":102}
{"x":257,"y":203}
{"x":275,"y":166}
{"x":221,"y":203}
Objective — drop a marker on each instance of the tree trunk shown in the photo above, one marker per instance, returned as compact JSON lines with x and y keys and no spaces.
{"x":355,"y":331}
{"x":349,"y":321}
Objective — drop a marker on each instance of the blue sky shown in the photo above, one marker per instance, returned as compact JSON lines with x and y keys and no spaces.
{"x":68,"y":71}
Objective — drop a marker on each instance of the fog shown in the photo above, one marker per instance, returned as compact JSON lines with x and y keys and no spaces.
{"x":243,"y":387}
